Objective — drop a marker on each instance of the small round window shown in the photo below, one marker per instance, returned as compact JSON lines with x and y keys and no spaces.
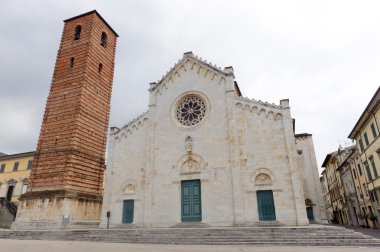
{"x":191,"y":110}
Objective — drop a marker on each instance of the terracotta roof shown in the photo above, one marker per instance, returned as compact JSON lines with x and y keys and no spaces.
{"x":337,"y":153}
{"x":17,"y":155}
{"x":351,"y":149}
{"x":328,"y":157}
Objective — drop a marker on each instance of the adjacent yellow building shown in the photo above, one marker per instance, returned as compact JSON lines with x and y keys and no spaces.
{"x":366,"y":134}
{"x":14,"y":175}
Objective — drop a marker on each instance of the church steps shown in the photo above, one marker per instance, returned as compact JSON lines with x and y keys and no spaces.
{"x":280,"y":236}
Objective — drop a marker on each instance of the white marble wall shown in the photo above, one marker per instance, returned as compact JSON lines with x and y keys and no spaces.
{"x":236,"y":141}
{"x":311,"y":182}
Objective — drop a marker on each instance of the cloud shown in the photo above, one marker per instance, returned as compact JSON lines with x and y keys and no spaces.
{"x":322,"y":55}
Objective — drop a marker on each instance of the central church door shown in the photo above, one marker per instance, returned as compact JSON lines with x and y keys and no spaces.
{"x":265,"y":205}
{"x":191,"y":209}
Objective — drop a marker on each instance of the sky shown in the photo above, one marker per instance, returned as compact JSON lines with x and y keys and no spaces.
{"x":324,"y":56}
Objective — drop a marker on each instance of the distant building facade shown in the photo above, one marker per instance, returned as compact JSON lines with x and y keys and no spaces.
{"x":14,"y":175}
{"x":366,"y":133}
{"x":345,"y":190}
{"x":360,"y":183}
{"x":349,"y":197}
{"x":334,"y":185}
{"x":326,"y":196}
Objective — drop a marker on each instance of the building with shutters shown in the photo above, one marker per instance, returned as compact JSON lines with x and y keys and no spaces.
{"x":14,"y":175}
{"x":366,"y":133}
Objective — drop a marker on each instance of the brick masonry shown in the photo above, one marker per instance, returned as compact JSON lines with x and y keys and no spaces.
{"x":68,"y":169}
{"x":71,"y":147}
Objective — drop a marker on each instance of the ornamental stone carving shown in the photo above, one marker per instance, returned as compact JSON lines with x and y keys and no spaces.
{"x":129,"y":187}
{"x":190,"y":166}
{"x":189,"y":144}
{"x":263,"y":178}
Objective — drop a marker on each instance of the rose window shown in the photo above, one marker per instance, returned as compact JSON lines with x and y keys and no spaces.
{"x":191,"y":110}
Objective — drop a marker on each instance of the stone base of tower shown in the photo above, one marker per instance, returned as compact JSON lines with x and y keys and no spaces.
{"x":58,"y":210}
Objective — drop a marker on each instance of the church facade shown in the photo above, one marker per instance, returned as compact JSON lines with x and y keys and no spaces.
{"x":202,"y":153}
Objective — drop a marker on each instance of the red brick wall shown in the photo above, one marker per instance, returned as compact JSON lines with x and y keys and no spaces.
{"x":73,"y":136}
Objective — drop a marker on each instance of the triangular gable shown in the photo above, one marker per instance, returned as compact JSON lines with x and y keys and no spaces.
{"x":189,"y":56}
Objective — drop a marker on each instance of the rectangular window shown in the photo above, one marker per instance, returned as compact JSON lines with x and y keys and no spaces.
{"x":371,"y":195}
{"x":15,"y":166}
{"x":374,"y":196}
{"x":24,"y":187}
{"x":353,"y":170}
{"x":29,"y":165}
{"x":368,"y":171}
{"x":373,"y":166}
{"x":2,"y":168}
{"x":365,"y":189}
{"x":360,"y":192}
{"x":374,"y":133}
{"x":361,"y":145}
{"x":366,"y":138}
{"x":360,"y":169}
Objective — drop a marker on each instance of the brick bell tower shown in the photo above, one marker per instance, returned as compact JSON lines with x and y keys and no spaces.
{"x":66,"y":180}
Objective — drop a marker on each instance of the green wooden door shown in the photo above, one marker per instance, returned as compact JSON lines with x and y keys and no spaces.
{"x":128,"y":208}
{"x":310,"y":215}
{"x":191,"y":208}
{"x":265,"y":205}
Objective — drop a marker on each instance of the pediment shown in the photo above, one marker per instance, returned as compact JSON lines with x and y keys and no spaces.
{"x":192,"y":62}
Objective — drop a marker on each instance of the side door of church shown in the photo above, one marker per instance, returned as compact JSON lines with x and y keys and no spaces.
{"x":128,"y":210}
{"x":309,"y":212}
{"x":265,"y":204}
{"x":191,"y":208}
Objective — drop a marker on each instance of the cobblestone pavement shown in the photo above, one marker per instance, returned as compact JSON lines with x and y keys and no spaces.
{"x":64,"y":246}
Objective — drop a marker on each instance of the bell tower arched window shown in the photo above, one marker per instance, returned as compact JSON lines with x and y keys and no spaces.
{"x":77,"y":32}
{"x":103,"y":39}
